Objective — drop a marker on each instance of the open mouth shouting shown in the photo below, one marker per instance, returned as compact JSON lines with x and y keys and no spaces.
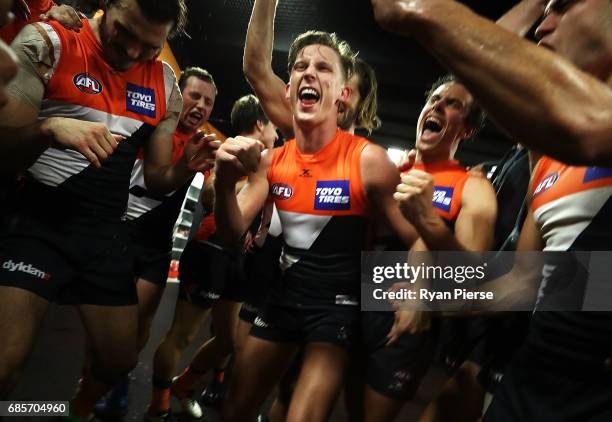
{"x":308,"y":96}
{"x":195,"y":117}
{"x":432,"y":127}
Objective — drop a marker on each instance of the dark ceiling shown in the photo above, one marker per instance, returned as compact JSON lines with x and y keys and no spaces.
{"x":217,"y":31}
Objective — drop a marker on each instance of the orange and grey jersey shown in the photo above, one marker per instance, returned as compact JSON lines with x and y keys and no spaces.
{"x":572,"y":208}
{"x":322,"y":206}
{"x":81,"y":85}
{"x":449,"y":179}
{"x":151,"y":217}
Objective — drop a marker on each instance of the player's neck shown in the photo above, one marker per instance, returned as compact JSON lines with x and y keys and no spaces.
{"x":96,"y":27}
{"x":312,"y":139}
{"x":431,"y":157}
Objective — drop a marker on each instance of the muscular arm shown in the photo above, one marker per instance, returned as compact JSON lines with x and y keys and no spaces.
{"x":257,"y":66}
{"x":522,"y":16}
{"x":475,"y":222}
{"x":518,"y":288}
{"x":534,"y":94}
{"x":234,"y":213}
{"x":380,"y":177}
{"x":475,"y":225}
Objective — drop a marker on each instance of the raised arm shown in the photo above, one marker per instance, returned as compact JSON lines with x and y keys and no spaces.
{"x":535,"y":95}
{"x":257,"y":66}
{"x":236,"y":158}
{"x":522,"y":16}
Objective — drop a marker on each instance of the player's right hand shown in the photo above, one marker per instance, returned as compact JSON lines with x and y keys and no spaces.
{"x":237,"y":157}
{"x":91,"y":139}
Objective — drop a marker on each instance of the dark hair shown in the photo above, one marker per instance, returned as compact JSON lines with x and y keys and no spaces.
{"x":199,"y":73}
{"x":162,"y":11}
{"x":367,"y":109}
{"x":331,"y":40}
{"x":86,"y":7}
{"x":245,"y":114}
{"x":475,"y":117}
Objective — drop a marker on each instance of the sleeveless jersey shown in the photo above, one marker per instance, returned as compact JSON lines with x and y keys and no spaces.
{"x":83,"y":86}
{"x":572,"y":208}
{"x":322,"y":206}
{"x":449,"y":179}
{"x":152,"y":217}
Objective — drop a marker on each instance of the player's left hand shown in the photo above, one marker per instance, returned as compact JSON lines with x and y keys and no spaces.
{"x":414,"y":195}
{"x":64,"y":14}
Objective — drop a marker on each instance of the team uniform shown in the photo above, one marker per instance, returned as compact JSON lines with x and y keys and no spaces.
{"x":323,"y":211}
{"x":396,"y":371}
{"x":64,"y":237}
{"x":559,"y":374}
{"x":504,"y":334}
{"x":261,"y":268}
{"x":209,"y":272}
{"x":151,"y":219}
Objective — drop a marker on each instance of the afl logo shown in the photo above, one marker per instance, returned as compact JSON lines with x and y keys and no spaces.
{"x":87,"y":83}
{"x":547,"y":183}
{"x":281,"y":191}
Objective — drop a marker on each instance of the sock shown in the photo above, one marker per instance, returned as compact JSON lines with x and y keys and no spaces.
{"x":88,"y":393}
{"x":160,"y":399}
{"x":220,"y":375}
{"x":183,"y":387}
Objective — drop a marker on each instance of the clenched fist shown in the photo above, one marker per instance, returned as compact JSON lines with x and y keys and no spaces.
{"x":414,"y":196}
{"x":237,"y":157}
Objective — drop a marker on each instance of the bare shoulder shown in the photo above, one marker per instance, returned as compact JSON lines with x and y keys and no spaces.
{"x":377,"y":169}
{"x":478,"y":192}
{"x":375,"y":155}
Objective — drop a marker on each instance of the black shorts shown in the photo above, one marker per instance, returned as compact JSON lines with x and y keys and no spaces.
{"x":208,"y":272}
{"x":530,"y":393}
{"x":458,"y":340}
{"x":261,"y":267}
{"x":505,"y":334}
{"x":151,"y":263}
{"x":66,"y":265}
{"x":248,"y":312}
{"x":337,"y":325}
{"x":394,"y":371}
